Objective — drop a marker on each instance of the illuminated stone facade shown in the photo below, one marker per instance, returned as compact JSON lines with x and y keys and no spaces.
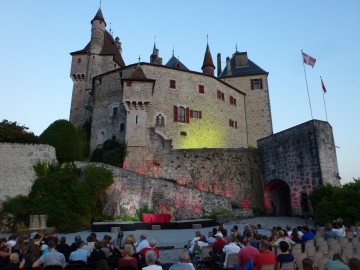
{"x":192,"y":109}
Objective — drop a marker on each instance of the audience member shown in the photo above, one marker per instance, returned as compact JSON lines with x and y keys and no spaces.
{"x":63,"y":248}
{"x":307,"y":264}
{"x":336,"y":263}
{"x":183,"y":264}
{"x":128,"y":259}
{"x":31,"y":256}
{"x":354,"y":264}
{"x":80,"y":254}
{"x":210,"y":238}
{"x":97,"y":254}
{"x":230,"y":248}
{"x":151,"y":259}
{"x":153,"y":247}
{"x":284,"y":256}
{"x":264,"y":257}
{"x":248,"y":252}
{"x":51,"y":258}
{"x":13,"y":260}
{"x":329,"y":233}
{"x":217,"y":247}
{"x":307,"y":234}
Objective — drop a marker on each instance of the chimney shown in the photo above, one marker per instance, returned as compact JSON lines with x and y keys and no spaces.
{"x":228,"y":66}
{"x":241,"y":59}
{"x":218,"y":64}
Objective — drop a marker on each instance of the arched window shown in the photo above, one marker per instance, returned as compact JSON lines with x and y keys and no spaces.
{"x":157,"y":120}
{"x":181,"y":115}
{"x":162,"y":121}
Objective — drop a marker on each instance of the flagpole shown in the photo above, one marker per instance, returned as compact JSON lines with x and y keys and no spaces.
{"x":324,"y":100}
{"x":307,"y":88}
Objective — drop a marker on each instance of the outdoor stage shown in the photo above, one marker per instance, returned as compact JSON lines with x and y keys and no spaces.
{"x":114,"y":226}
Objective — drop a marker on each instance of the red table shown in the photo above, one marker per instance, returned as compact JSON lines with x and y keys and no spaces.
{"x":155,"y":218}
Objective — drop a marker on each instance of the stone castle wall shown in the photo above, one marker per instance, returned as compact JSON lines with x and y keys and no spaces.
{"x":234,"y":173}
{"x":303,"y":157}
{"x":131,"y":190}
{"x":16,"y":166}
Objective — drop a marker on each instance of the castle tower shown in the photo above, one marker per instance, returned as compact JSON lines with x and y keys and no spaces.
{"x":137,"y":97}
{"x":154,"y":57}
{"x":100,"y":55}
{"x":208,"y":65}
{"x":244,"y":74}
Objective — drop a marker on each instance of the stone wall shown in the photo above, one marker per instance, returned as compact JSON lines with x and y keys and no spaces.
{"x":131,"y":190}
{"x":16,"y":166}
{"x":303,"y":157}
{"x":234,"y":173}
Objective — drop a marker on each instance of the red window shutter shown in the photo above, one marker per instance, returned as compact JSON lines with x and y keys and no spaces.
{"x":200,"y":115}
{"x":191,"y":113}
{"x":252,"y":84}
{"x":261,"y":84}
{"x":187,"y":116}
{"x":222,"y":96}
{"x":175,"y":113}
{"x":231,"y":100}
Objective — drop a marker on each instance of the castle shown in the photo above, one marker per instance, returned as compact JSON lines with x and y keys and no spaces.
{"x":208,"y":132}
{"x":192,"y":109}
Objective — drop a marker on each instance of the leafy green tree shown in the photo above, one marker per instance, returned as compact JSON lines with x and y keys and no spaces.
{"x":63,"y":136}
{"x":331,"y":202}
{"x":12,"y":132}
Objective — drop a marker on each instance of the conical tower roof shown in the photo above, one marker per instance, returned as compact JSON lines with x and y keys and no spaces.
{"x":208,"y":58}
{"x":99,"y":16}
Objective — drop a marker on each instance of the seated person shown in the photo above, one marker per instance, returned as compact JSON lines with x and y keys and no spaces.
{"x":284,"y":256}
{"x":184,"y":263}
{"x":151,"y":258}
{"x":128,"y":259}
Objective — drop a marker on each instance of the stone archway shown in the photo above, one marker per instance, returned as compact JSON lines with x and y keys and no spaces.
{"x":277,"y":197}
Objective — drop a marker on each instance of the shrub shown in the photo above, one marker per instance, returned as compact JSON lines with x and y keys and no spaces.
{"x":69,"y":198}
{"x":13,"y":133}
{"x":63,"y":136}
{"x":112,"y":152}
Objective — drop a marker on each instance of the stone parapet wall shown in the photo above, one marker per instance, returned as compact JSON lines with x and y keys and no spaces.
{"x":16,"y":166}
{"x":131,"y":190}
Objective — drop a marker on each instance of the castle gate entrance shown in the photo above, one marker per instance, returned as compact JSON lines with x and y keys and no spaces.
{"x":277,"y":198}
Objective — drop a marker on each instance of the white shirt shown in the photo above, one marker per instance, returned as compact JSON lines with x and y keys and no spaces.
{"x":143,"y":244}
{"x":231,"y":248}
{"x":152,"y":267}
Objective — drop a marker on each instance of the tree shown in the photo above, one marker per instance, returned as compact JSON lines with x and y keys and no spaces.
{"x":13,"y":133}
{"x":63,"y":136}
{"x":112,"y":152}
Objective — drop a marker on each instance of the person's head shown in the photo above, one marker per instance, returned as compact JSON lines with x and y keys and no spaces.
{"x":120,"y":235}
{"x":94,"y":235}
{"x":285,"y":233}
{"x":248,"y":235}
{"x":354,"y":264}
{"x":339,"y":222}
{"x":328,"y":227}
{"x":90,"y":238}
{"x":197,"y":234}
{"x":129,"y":250}
{"x":288,"y":228}
{"x":284,"y":247}
{"x":228,"y":239}
{"x":142,"y":236}
{"x":150,"y":257}
{"x":98,"y":245}
{"x":214,"y":230}
{"x":130,"y":239}
{"x":63,"y":240}
{"x":307,"y":264}
{"x":304,"y":229}
{"x":219,"y":235}
{"x":236,"y":228}
{"x":337,"y":257}
{"x":264,"y":245}
{"x":210,"y":234}
{"x":79,"y":244}
{"x":51,"y":244}
{"x":14,"y":257}
{"x":246,"y":227}
{"x":152,"y":243}
{"x":295,"y":232}
{"x":203,"y":239}
{"x":77,"y":238}
{"x":184,"y":257}
{"x":107,"y":238}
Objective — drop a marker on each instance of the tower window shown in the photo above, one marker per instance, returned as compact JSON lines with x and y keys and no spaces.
{"x":172,"y":84}
{"x":160,"y":120}
{"x":256,"y":84}
{"x":115,"y":111}
{"x":79,"y":60}
{"x":220,"y":95}
{"x":201,"y":89}
{"x":122,"y":127}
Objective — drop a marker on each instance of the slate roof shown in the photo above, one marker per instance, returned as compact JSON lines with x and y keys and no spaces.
{"x":174,"y":62}
{"x":109,"y":48}
{"x":250,"y":69}
{"x":99,"y":16}
{"x":207,"y":58}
